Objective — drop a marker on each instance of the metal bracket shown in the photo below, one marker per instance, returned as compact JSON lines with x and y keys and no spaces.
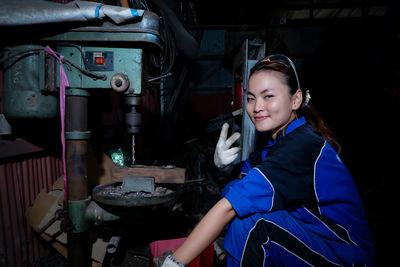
{"x":77,"y":135}
{"x":76,"y":212}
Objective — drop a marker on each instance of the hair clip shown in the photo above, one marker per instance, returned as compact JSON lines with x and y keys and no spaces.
{"x":307,"y":98}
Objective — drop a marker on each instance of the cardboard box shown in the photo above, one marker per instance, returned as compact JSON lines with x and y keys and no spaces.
{"x":43,"y":211}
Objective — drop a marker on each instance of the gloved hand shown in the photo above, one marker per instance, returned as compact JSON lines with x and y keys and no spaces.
{"x":171,"y":262}
{"x":224,"y":155}
{"x":158,"y":261}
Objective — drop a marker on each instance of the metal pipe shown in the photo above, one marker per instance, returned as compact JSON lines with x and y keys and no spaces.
{"x":77,"y":169}
{"x":78,"y":249}
{"x":76,"y":128}
{"x":76,"y":119}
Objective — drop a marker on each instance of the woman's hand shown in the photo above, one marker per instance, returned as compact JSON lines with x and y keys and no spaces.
{"x":171,"y":262}
{"x":224,"y":154}
{"x":205,"y":232}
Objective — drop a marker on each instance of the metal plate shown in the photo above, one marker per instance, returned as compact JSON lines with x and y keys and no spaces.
{"x":100,"y":60}
{"x":113,"y":194}
{"x":133,"y":183}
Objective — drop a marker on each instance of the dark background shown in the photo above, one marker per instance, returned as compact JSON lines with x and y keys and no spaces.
{"x":347,"y":54}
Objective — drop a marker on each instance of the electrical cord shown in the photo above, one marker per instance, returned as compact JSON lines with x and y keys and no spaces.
{"x":6,"y":56}
{"x":166,"y":59}
{"x":86,"y":72}
{"x":85,"y":60}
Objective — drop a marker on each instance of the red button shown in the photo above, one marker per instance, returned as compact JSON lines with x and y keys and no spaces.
{"x":99,"y":60}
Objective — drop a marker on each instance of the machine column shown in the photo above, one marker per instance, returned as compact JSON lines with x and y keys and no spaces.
{"x":77,"y":134}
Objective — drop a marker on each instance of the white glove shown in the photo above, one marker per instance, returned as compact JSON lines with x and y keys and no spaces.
{"x":224,"y":155}
{"x":171,"y":262}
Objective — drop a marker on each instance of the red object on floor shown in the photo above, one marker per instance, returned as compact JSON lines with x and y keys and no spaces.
{"x":157,"y":248}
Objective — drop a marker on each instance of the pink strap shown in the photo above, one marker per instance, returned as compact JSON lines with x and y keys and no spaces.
{"x":63,"y":83}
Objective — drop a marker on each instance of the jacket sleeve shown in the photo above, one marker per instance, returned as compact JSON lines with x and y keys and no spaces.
{"x":254,"y":193}
{"x":285,"y":178}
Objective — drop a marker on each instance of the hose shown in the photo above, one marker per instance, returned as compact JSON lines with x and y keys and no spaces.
{"x":187,"y":43}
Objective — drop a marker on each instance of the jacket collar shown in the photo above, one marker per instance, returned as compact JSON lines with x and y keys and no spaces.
{"x":290,"y":128}
{"x":295,"y":124}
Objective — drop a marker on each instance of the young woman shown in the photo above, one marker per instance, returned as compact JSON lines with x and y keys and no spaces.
{"x":296,"y":204}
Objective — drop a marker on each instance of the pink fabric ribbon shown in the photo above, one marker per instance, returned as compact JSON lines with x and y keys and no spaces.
{"x":63,"y":83}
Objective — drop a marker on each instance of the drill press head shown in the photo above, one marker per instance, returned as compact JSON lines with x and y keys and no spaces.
{"x":133,"y":118}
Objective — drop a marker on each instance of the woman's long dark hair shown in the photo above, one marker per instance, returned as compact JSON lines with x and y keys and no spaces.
{"x":308,"y":111}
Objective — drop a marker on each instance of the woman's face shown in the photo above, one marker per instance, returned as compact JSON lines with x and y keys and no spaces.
{"x":269,"y":102}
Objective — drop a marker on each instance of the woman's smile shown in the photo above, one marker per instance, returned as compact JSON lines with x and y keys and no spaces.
{"x":260,"y":118}
{"x":269,"y":102}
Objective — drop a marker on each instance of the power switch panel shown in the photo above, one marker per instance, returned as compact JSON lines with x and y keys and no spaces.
{"x":99,"y":60}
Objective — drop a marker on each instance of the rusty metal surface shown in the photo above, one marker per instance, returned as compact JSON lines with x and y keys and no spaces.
{"x":113,"y":194}
{"x":21,"y":180}
{"x":77,"y":169}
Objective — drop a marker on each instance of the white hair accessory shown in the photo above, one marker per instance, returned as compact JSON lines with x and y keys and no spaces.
{"x":307,"y":98}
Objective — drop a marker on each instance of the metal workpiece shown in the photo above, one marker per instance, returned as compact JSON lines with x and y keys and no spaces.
{"x":137,"y":184}
{"x":113,"y":194}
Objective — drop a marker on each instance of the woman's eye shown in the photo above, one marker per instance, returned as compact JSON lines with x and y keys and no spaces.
{"x":249,"y":99}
